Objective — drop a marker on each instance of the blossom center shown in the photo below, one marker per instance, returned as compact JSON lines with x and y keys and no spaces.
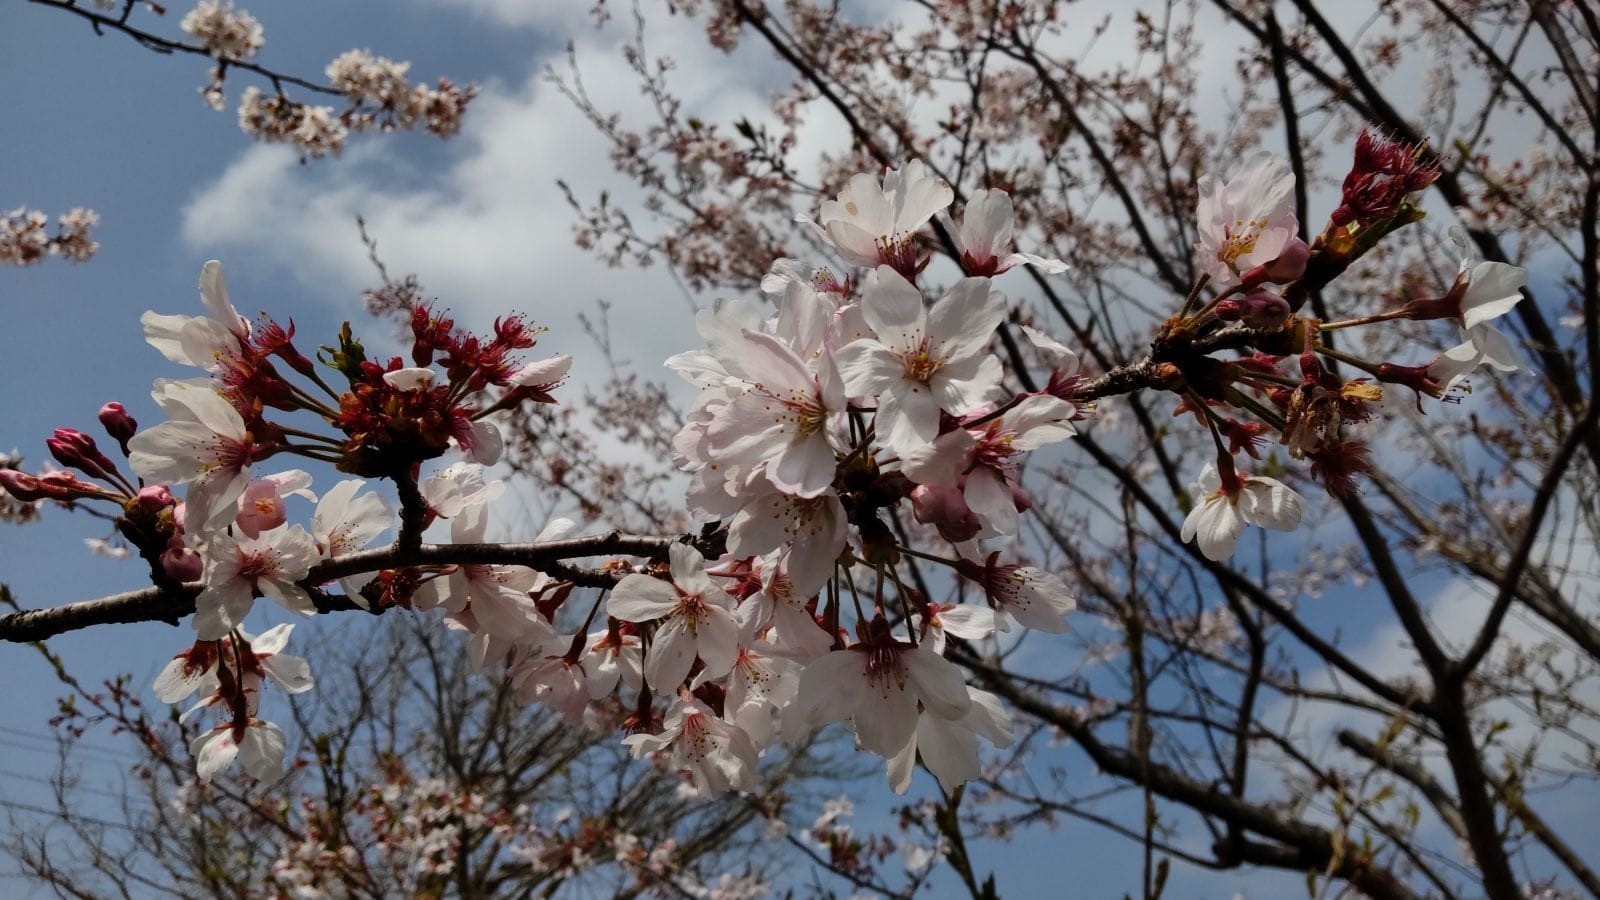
{"x":921,"y":363}
{"x":1240,"y":239}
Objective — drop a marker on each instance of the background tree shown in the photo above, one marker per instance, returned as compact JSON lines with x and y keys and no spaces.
{"x":418,"y":777}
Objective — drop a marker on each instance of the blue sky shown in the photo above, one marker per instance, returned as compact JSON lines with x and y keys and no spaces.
{"x":100,"y":122}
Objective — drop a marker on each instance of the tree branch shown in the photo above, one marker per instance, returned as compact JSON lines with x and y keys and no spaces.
{"x":154,"y":604}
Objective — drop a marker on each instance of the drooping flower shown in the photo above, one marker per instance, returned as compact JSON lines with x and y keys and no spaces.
{"x":814,"y":530}
{"x":760,"y":684}
{"x":1229,"y":502}
{"x":189,"y":671}
{"x":878,"y":685}
{"x":780,"y":605}
{"x":1484,"y":292}
{"x":923,"y":360}
{"x":949,"y":747}
{"x":258,"y":746}
{"x":985,"y":457}
{"x":1035,"y":598}
{"x":249,"y":662}
{"x":717,"y":755}
{"x":495,"y":596}
{"x":698,"y":613}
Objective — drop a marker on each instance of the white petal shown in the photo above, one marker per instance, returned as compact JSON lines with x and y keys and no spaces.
{"x":1270,"y":503}
{"x":963,"y":321}
{"x":410,"y":379}
{"x":214,"y":751}
{"x":893,"y":307}
{"x":939,"y":683}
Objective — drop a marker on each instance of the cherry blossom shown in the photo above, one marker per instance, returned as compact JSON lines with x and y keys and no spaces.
{"x":1484,"y":292}
{"x":1035,"y":598}
{"x":1248,"y":221}
{"x":258,"y":746}
{"x":1229,"y":502}
{"x":238,"y":570}
{"x":878,"y":685}
{"x":344,"y":523}
{"x":261,"y":505}
{"x":985,"y":237}
{"x":207,"y":341}
{"x":717,"y":756}
{"x":496,"y":596}
{"x":985,"y":457}
{"x":949,"y":747}
{"x":813,"y":529}
{"x":872,"y":223}
{"x":789,"y":418}
{"x":923,"y":360}
{"x":204,"y":444}
{"x":410,"y":379}
{"x":227,"y":33}
{"x":698,"y":613}
{"x":457,"y":487}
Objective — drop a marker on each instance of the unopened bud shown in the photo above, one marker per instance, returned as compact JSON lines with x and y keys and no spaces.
{"x":945,"y":508}
{"x":77,"y":450}
{"x":1291,"y":263}
{"x":1264,"y":309}
{"x":1418,"y":378}
{"x":21,"y":485}
{"x":183,"y":564}
{"x":1228,"y":310}
{"x":155,"y":498}
{"x":67,"y":486}
{"x":117,"y":423}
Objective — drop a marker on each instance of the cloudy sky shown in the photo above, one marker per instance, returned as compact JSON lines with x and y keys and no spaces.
{"x":101,"y":122}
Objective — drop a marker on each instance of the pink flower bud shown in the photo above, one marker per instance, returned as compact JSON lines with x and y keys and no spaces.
{"x":117,"y":423}
{"x":1291,"y":263}
{"x":945,"y":508}
{"x":67,"y":486}
{"x":182,"y":564}
{"x":155,"y":498}
{"x":1263,"y":309}
{"x":77,"y":450}
{"x":1228,"y":310}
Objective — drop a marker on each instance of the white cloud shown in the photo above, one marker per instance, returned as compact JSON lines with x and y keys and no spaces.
{"x":485,"y":228}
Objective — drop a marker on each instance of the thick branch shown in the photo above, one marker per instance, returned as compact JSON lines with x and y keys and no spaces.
{"x":154,"y":604}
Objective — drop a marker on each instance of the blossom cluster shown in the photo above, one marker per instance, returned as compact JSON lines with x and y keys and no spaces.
{"x":25,"y":239}
{"x":225,"y":32}
{"x":376,"y":89}
{"x":815,"y":427}
{"x":1247,"y":246}
{"x":829,"y":419}
{"x":229,"y":534}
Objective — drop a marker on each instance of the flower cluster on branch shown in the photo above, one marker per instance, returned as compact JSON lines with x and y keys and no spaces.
{"x":852,"y":405}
